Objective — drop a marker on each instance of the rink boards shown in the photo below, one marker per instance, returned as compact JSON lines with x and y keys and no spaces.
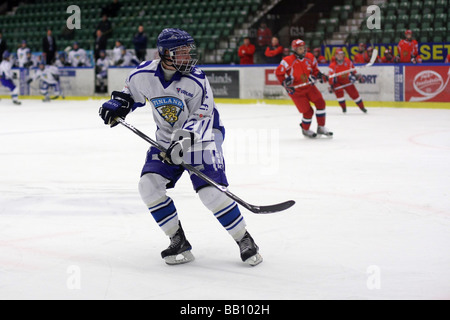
{"x":386,"y":83}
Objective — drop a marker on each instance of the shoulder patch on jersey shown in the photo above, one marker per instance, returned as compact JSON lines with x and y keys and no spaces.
{"x":198,"y":73}
{"x":169,"y":108}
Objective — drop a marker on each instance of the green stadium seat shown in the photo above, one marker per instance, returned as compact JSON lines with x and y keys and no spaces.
{"x":416,"y":5}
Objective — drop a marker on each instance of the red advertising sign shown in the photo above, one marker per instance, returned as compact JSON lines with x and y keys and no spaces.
{"x":427,"y":83}
{"x":271,"y":78}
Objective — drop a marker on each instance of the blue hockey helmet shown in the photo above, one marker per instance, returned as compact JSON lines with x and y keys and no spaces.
{"x":6,"y":54}
{"x":177,"y":48}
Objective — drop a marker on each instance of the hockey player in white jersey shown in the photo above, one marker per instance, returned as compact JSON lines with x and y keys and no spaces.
{"x":101,"y":71}
{"x":48,"y":77}
{"x":23,"y":54}
{"x":78,"y":56}
{"x":7,"y":76}
{"x":189,"y":127}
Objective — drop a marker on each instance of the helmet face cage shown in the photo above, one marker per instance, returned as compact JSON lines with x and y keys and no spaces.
{"x":184,"y":57}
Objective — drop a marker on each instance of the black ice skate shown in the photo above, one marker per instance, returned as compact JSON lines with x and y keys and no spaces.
{"x":308,"y":133}
{"x":249,"y":250}
{"x":179,"y":250}
{"x":363,"y":109}
{"x":323,"y":130}
{"x":17,"y":102}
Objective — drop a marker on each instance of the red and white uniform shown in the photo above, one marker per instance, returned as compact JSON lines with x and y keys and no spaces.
{"x":407,"y":50}
{"x":343,"y":80}
{"x":447,"y":60}
{"x":300,"y":70}
{"x":359,"y":58}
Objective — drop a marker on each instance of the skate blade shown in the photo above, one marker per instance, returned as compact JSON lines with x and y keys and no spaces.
{"x":254,"y":260}
{"x":328,"y":136}
{"x":181,"y":258}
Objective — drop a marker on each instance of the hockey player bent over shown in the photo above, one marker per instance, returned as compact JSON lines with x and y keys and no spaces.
{"x":49,"y":77}
{"x":344,"y":82}
{"x":188,"y":125}
{"x":300,"y":68}
{"x":7,"y":76}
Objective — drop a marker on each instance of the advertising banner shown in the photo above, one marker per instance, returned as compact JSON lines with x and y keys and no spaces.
{"x":427,"y":83}
{"x":224,"y":83}
{"x":429,"y":52}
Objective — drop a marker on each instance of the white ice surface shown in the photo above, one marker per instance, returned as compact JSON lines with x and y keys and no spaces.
{"x":376,"y":197}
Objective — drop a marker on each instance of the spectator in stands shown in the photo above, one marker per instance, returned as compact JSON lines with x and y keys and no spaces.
{"x":388,"y":57}
{"x":101,"y":43}
{"x":78,"y":56}
{"x":105,"y":26}
{"x":286,"y":52}
{"x":318,"y":55}
{"x":22,"y":54}
{"x":246,"y":52}
{"x":264,"y":35}
{"x":359,"y":57}
{"x":140,"y":43}
{"x":274,"y":52}
{"x":408,"y":49}
{"x":3,"y":46}
{"x":112,"y":9}
{"x":49,"y":46}
{"x":264,"y":38}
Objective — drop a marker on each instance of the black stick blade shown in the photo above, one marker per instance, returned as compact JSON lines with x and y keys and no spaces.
{"x":272,"y":208}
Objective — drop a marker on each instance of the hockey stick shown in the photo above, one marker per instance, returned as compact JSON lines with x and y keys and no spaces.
{"x":371,"y":62}
{"x":255,"y":209}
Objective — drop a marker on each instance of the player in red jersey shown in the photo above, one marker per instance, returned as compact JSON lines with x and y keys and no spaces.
{"x":408,"y":49}
{"x":318,"y":55}
{"x":300,"y":68}
{"x":345,"y":81}
{"x":447,"y":60}
{"x":368,"y":55}
{"x":359,"y":57}
{"x":388,"y":57}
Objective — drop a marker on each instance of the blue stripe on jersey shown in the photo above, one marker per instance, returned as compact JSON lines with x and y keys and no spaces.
{"x":140,"y":71}
{"x":200,"y":85}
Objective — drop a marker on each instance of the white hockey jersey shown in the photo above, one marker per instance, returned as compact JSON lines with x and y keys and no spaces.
{"x":6,"y":70}
{"x":50,"y":74}
{"x":184,"y":102}
{"x":78,"y":58}
{"x":22,"y":56}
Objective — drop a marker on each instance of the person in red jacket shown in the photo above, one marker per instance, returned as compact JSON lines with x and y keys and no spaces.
{"x":274,"y":52}
{"x":318,"y":55}
{"x":408,"y":49}
{"x":359,"y":57}
{"x":300,"y":68}
{"x":344,"y":82}
{"x":246,"y":52}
